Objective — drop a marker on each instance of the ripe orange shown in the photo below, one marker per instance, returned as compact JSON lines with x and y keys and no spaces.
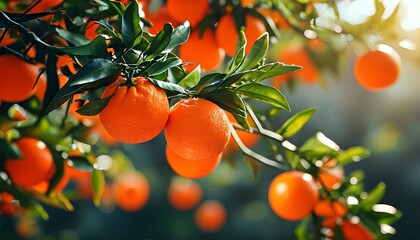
{"x":191,"y":168}
{"x":158,"y":18}
{"x":17,"y":80}
{"x":331,"y":175}
{"x":292,"y":195}
{"x":328,"y":209}
{"x":227,"y":35}
{"x":35,"y":166}
{"x":204,"y":51}
{"x":210,"y":216}
{"x":197,"y":129}
{"x":378,"y":69}
{"x":42,"y":187}
{"x":41,"y":88}
{"x":188,"y":10}
{"x":247,"y":138}
{"x":135,"y":114}
{"x":7,"y":207}
{"x":45,"y":5}
{"x":8,"y":39}
{"x":131,"y":191}
{"x":184,"y":194}
{"x":277,"y":18}
{"x":355,"y":231}
{"x":297,"y":55}
{"x":91,"y":28}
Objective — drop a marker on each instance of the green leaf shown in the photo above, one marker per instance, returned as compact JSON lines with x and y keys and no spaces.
{"x":302,"y":230}
{"x":209,"y":82}
{"x":94,"y":107}
{"x":227,"y":100}
{"x":161,"y":66}
{"x":257,"y":53}
{"x":374,"y":197}
{"x":238,"y":77}
{"x":98,"y":184}
{"x":318,"y":147}
{"x":353,"y":154}
{"x":264,"y":93}
{"x":81,"y":163}
{"x":275,"y":69}
{"x":131,"y":29}
{"x":93,"y":71}
{"x":385,"y":214}
{"x":168,"y":86}
{"x":236,"y":61}
{"x":9,"y":150}
{"x":52,"y":86}
{"x":295,"y":123}
{"x":180,"y":35}
{"x":74,"y":38}
{"x":192,"y":78}
{"x":160,"y":42}
{"x":255,"y":166}
{"x":58,"y":173}
{"x":97,"y":48}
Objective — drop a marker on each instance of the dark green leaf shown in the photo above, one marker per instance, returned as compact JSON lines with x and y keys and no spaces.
{"x":179,"y":35}
{"x":94,"y":107}
{"x":58,"y":173}
{"x":257,"y":53}
{"x":131,"y":29}
{"x":209,"y":82}
{"x":161,"y":66}
{"x":236,"y":61}
{"x":227,"y":100}
{"x":168,"y":86}
{"x":264,"y":93}
{"x":295,"y":123}
{"x":9,"y":150}
{"x":176,"y":74}
{"x":74,"y":38}
{"x":52,"y":83}
{"x":97,"y":48}
{"x":98,"y":184}
{"x":81,"y":163}
{"x":160,"y":42}
{"x":191,"y":79}
{"x":93,"y":71}
{"x":275,"y":69}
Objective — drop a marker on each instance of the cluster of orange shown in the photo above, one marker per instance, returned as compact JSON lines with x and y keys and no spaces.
{"x":294,"y":195}
{"x":185,"y":194}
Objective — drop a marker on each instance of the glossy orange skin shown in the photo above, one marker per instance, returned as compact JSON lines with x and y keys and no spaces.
{"x":197,"y":129}
{"x":184,"y":194}
{"x":35,"y":166}
{"x":190,"y":168}
{"x":188,"y":10}
{"x":204,"y":51}
{"x":352,"y":231}
{"x":328,"y":209}
{"x":17,"y":80}
{"x":293,"y":195}
{"x":210,"y":216}
{"x":131,"y":191}
{"x":135,"y":114}
{"x":227,"y":35}
{"x":378,"y":69}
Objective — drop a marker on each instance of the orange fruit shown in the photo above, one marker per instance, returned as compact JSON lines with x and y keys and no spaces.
{"x":292,"y":195}
{"x":91,"y":28}
{"x":41,"y":88}
{"x":297,"y":55}
{"x":277,"y":18}
{"x":131,"y":191}
{"x":17,"y":80}
{"x":184,"y":194}
{"x":7,"y":207}
{"x":355,"y":231}
{"x":188,"y":10}
{"x":135,"y":114}
{"x":63,"y":61}
{"x":378,"y":69}
{"x":227,"y":35}
{"x":247,"y":138}
{"x":210,"y":216}
{"x":204,"y":51}
{"x":42,"y":187}
{"x":8,"y":39}
{"x":45,"y":5}
{"x":191,"y":168}
{"x":158,"y":18}
{"x":35,"y":166}
{"x":328,"y":209}
{"x":197,"y":129}
{"x":331,"y":175}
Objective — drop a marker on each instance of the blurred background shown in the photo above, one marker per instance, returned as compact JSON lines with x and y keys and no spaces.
{"x":387,"y":122}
